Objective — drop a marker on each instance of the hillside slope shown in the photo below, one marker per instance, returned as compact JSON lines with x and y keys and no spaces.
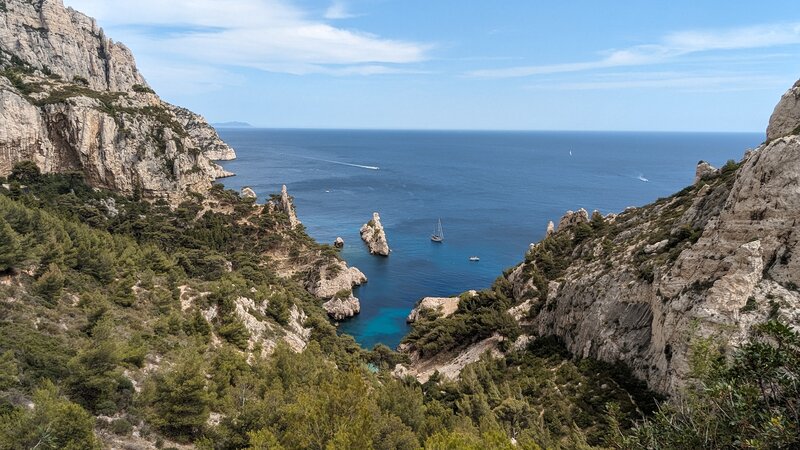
{"x":71,"y":99}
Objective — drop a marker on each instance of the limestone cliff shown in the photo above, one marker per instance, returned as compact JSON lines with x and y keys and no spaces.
{"x":73,"y":100}
{"x":710,"y":261}
{"x":640,"y":287}
{"x":374,"y":236}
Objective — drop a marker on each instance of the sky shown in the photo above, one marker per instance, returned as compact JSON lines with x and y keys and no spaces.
{"x":453,"y":64}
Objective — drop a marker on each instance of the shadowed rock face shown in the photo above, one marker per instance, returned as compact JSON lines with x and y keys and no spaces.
{"x":73,"y":100}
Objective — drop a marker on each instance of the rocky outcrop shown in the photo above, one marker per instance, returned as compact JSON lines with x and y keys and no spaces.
{"x":340,"y":308}
{"x":785,"y":119}
{"x":72,"y":100}
{"x":339,"y":242}
{"x":434,"y":306}
{"x":573,"y":218}
{"x":703,"y":170}
{"x":336,"y":277}
{"x":450,"y":364}
{"x":285,"y":204}
{"x":551,"y":228}
{"x":248,"y":192}
{"x":263,"y":334}
{"x":203,"y":135}
{"x":373,"y":234}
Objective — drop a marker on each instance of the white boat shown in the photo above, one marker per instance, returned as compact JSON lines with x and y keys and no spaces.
{"x":438,"y":233}
{"x":642,"y":178}
{"x":474,"y":258}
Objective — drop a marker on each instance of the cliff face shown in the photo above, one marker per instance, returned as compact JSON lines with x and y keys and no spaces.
{"x":642,"y":286}
{"x":710,"y":261}
{"x":73,"y":100}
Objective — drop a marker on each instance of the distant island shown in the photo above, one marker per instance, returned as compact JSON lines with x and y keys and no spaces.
{"x":231,"y":125}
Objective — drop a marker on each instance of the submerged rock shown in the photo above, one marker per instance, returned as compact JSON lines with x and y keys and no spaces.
{"x":374,"y":235}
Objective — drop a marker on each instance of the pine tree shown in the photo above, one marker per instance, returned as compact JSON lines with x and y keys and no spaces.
{"x":10,"y":252}
{"x":181,"y":401}
{"x":50,"y":284}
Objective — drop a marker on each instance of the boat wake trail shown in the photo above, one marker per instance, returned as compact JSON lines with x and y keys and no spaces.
{"x":341,"y":163}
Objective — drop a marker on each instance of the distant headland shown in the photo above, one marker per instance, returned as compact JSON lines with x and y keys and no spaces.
{"x":231,"y":125}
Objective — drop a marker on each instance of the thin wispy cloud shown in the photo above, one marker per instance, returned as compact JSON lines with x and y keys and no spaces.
{"x":271,"y":35}
{"x":679,"y":81}
{"x":668,"y":49}
{"x":338,"y":10}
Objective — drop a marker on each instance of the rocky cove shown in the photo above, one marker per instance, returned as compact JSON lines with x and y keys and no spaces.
{"x":145,"y":305}
{"x":41,"y":102}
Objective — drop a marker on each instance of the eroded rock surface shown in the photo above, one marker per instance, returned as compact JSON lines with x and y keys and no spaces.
{"x":340,"y":308}
{"x":374,"y":236}
{"x":437,"y":306}
{"x":73,"y":100}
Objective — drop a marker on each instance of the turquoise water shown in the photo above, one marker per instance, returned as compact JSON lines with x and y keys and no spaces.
{"x":494,"y":192}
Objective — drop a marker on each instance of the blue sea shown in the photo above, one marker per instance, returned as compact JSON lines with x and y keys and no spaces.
{"x":493,"y":191}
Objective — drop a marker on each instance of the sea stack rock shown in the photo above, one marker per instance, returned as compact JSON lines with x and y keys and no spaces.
{"x":704,"y":169}
{"x":374,"y":235}
{"x":339,"y":242}
{"x":342,"y":305}
{"x":288,"y":207}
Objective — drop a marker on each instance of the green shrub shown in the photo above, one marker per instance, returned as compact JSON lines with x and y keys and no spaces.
{"x":10,"y":250}
{"x":50,"y":285}
{"x":121,"y":427}
{"x":54,"y":423}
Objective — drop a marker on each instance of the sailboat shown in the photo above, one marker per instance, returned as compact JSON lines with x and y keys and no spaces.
{"x":438,"y":233}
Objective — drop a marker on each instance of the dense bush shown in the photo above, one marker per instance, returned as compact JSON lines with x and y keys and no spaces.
{"x":751,"y":400}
